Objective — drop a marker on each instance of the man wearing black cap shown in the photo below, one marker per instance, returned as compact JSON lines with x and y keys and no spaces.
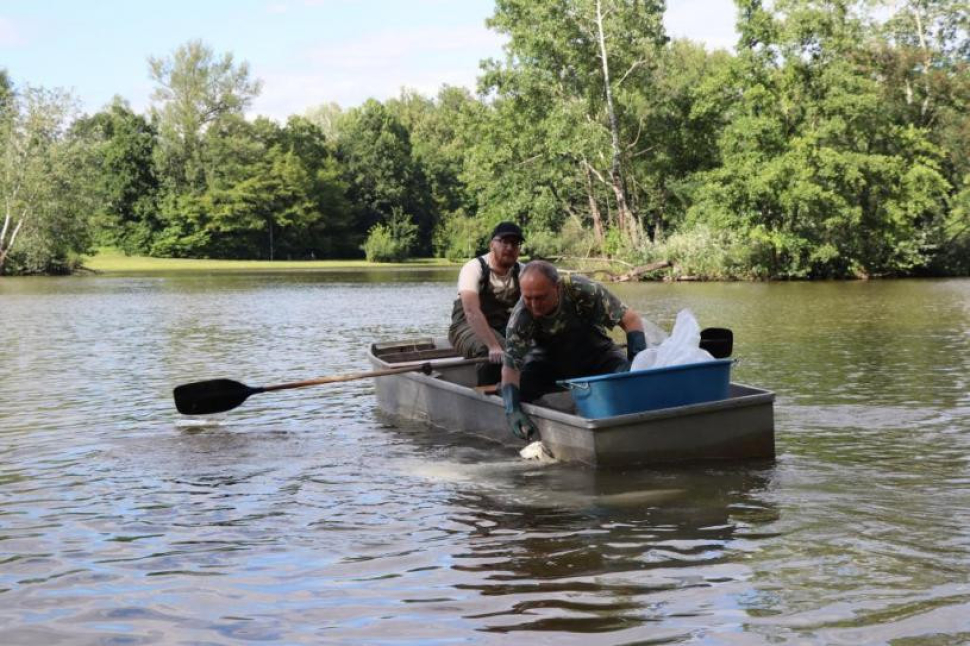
{"x":488,"y":289}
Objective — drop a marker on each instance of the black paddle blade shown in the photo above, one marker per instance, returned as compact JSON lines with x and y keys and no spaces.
{"x":718,"y":341}
{"x":213,"y":396}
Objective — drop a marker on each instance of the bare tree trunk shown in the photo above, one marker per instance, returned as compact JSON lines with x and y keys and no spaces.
{"x":272,"y":246}
{"x":594,"y":208}
{"x":591,"y":172}
{"x":927,"y":60}
{"x":637,"y":272}
{"x":6,"y":245}
{"x":627,"y":220}
{"x":6,"y":225}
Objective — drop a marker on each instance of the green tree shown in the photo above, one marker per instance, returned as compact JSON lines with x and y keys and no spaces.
{"x":391,"y":241}
{"x":194,"y":89}
{"x":815,"y":170}
{"x":924,"y":56}
{"x":375,"y":155}
{"x":329,"y":118}
{"x":127,"y":185}
{"x":581,"y":63}
{"x":522,"y":162}
{"x":6,"y":93}
{"x":271,"y":192}
{"x":45,"y":177}
{"x":682,"y":119}
{"x":438,"y":129}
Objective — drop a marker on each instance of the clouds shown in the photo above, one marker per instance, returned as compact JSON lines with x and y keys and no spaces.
{"x":389,"y":46}
{"x":306,"y":52}
{"x":377,"y":60}
{"x":376,"y":64}
{"x":11,"y":34}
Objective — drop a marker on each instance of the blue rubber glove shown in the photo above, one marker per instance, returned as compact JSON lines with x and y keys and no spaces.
{"x":636,"y":341}
{"x":519,"y":423}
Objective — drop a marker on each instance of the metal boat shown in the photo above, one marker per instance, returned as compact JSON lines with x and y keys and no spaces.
{"x":740,"y":427}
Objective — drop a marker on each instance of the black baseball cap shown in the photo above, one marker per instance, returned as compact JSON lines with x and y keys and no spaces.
{"x":507,"y":230}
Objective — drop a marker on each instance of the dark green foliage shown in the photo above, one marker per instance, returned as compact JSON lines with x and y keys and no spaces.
{"x":440,"y":137}
{"x":127,"y":184}
{"x":271,"y":192}
{"x":382,"y":175}
{"x":814,"y":169}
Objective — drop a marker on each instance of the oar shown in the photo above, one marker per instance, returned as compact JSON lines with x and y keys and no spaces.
{"x":220,"y":395}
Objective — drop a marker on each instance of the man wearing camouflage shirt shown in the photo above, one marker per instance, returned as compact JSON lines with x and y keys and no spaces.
{"x":558,"y":330}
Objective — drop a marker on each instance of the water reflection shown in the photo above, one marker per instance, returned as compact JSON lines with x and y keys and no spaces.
{"x":566,"y":548}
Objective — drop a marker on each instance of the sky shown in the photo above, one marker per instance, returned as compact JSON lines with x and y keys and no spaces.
{"x":305,"y":52}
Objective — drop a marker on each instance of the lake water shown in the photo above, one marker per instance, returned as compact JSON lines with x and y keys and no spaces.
{"x":307,"y":517}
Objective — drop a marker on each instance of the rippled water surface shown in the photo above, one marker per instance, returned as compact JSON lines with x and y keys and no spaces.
{"x":306,"y":517}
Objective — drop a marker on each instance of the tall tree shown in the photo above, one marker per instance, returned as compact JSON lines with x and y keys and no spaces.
{"x":127,"y":183}
{"x":438,"y":129}
{"x":328,"y":117}
{"x":524,"y":160}
{"x":930,"y":40}
{"x":682,"y":118}
{"x":815,"y":170}
{"x":924,"y":56}
{"x":194,"y":89}
{"x":376,"y":157}
{"x":6,"y":92}
{"x":44,"y":182}
{"x":589,"y":57}
{"x":272,"y":192}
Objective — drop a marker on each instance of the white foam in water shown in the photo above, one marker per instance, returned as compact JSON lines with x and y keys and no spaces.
{"x":442,"y":471}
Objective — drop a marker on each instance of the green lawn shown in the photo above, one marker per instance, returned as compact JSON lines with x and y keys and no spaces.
{"x":112,"y":261}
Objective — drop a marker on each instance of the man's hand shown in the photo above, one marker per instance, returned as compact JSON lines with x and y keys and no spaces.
{"x":519,"y":423}
{"x":636,"y":341}
{"x":495,"y":354}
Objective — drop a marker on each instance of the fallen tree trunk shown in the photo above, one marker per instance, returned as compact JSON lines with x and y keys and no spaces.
{"x":584,"y":259}
{"x":637,"y":272}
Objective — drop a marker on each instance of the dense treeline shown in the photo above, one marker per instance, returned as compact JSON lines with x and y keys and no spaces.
{"x":835,"y":142}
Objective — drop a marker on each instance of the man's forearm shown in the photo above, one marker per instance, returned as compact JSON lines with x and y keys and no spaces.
{"x":479,"y":325}
{"x":631,"y":322}
{"x":636,"y":340}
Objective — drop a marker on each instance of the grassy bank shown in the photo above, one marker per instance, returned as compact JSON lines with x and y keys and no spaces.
{"x":112,"y":261}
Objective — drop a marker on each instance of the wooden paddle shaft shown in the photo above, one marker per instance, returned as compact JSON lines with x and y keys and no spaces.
{"x":426,"y":368}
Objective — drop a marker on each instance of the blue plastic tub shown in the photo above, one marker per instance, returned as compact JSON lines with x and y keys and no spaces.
{"x":633,"y":392}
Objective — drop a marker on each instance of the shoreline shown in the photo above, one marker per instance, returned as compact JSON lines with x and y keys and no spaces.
{"x":115,"y":262}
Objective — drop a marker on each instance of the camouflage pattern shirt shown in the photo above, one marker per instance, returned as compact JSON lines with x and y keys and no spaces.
{"x":586,"y":311}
